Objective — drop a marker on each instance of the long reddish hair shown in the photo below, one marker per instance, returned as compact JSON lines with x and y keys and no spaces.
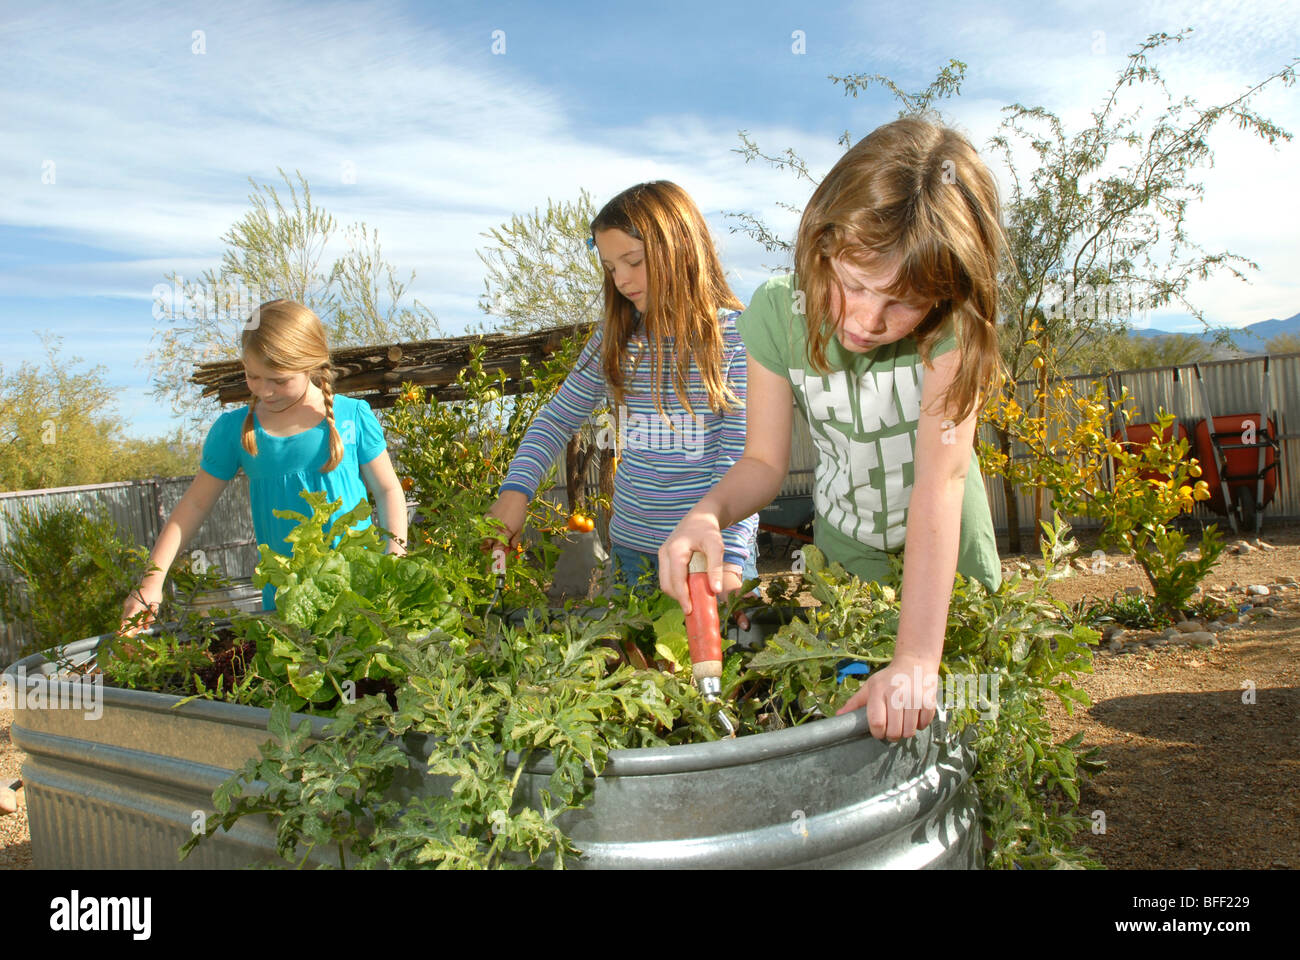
{"x":686,"y":290}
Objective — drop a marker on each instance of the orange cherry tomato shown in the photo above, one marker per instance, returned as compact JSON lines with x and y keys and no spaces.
{"x":579,"y":522}
{"x":407,"y":484}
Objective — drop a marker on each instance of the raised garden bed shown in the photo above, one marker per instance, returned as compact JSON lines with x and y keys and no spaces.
{"x":125,"y":789}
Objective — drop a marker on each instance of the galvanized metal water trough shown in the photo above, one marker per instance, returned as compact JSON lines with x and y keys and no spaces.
{"x":124,"y":790}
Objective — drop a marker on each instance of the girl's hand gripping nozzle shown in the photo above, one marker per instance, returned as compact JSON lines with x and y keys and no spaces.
{"x":704,"y":634}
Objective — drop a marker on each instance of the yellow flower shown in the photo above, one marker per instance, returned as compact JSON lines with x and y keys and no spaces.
{"x":1195,"y":469}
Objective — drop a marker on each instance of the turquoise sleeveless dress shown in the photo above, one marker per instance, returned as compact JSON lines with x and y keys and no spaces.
{"x":286,"y":466}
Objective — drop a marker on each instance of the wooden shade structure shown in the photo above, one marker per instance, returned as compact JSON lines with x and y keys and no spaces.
{"x":376,"y":373}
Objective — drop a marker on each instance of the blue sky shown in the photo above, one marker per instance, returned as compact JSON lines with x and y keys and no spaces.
{"x":151,"y":144}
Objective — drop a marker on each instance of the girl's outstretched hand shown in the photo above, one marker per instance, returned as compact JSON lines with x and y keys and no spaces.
{"x":900,"y":699}
{"x":697,"y":530}
{"x":511,"y":509}
{"x":139,"y":600}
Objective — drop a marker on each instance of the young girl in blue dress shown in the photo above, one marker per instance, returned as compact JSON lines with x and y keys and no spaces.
{"x":295,"y":434}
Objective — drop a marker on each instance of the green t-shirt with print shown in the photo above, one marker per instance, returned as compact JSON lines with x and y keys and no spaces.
{"x":862,"y":415}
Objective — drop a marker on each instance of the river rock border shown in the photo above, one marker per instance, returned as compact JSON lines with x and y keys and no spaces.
{"x":1253,"y":602}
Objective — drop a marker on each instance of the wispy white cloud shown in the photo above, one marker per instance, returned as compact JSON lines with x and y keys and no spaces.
{"x":398,"y":126}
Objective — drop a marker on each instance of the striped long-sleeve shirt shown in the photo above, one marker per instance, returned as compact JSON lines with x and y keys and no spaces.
{"x":662,"y":472}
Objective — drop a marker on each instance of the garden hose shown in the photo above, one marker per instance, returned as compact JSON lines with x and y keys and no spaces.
{"x":498,"y":565}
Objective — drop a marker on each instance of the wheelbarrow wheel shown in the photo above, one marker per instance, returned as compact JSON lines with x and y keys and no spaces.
{"x":1246,"y":505}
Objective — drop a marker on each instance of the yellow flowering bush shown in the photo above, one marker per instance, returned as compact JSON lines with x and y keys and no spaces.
{"x":1068,"y":444}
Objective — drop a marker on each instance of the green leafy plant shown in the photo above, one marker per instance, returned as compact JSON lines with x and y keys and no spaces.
{"x":69,"y":572}
{"x":1028,"y":784}
{"x":455,"y":453}
{"x":1123,"y":609}
{"x":1159,"y":549}
{"x":165,"y":661}
{"x":480,"y":700}
{"x":1154,"y":483}
{"x":341,"y":610}
{"x":481,"y":720}
{"x":1208,"y":609}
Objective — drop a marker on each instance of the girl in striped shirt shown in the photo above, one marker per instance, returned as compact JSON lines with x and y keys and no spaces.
{"x":669,"y":361}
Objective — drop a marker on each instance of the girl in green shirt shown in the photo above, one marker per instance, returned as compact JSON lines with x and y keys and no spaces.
{"x":885,"y":339}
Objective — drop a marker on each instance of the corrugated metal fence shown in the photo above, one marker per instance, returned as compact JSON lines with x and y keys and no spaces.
{"x":138,"y":509}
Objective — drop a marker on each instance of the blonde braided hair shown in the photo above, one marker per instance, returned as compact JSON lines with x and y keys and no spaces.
{"x":290,"y":338}
{"x":324,"y":379}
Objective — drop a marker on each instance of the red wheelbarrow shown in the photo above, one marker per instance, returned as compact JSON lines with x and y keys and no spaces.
{"x":1138,"y":435}
{"x":1239,"y":457}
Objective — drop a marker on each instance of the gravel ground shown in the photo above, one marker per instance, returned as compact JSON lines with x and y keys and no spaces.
{"x":1196,"y":777}
{"x":15,"y":844}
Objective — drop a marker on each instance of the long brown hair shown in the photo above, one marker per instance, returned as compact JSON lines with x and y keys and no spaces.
{"x":686,"y":288}
{"x":289,"y":338}
{"x":917,"y":193}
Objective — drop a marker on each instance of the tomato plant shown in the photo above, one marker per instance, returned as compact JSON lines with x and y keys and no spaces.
{"x":581,"y":523}
{"x":455,"y":453}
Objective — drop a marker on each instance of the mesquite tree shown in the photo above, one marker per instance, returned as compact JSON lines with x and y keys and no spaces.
{"x":540,"y":273}
{"x":277,"y":250}
{"x":1095,"y":219}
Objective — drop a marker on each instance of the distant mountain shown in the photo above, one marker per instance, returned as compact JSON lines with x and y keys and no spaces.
{"x":1267,"y":329}
{"x":1250,"y":338}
